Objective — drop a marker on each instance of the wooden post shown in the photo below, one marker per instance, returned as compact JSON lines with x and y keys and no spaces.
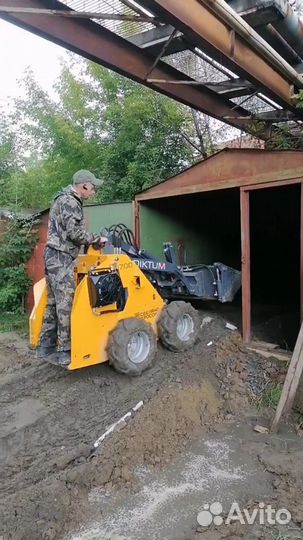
{"x":245,"y":246}
{"x":301,"y":257}
{"x":291,"y":382}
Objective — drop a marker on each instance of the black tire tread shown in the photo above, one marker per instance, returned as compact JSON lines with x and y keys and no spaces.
{"x":167,"y":326}
{"x":118,"y":338}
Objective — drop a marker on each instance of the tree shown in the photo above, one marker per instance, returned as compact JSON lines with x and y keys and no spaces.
{"x":100,"y":121}
{"x":6,"y":149}
{"x":15,"y":249}
{"x":143,"y":140}
{"x":206,"y":132}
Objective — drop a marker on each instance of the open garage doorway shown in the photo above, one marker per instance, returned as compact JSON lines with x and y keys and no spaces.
{"x":271,"y":248}
{"x":199,"y":210}
{"x":204,"y":228}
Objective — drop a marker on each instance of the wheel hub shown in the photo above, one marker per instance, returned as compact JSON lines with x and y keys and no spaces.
{"x":185,"y":327}
{"x":138,"y":347}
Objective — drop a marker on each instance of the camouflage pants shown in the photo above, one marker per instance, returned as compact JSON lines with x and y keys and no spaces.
{"x":59,"y":275}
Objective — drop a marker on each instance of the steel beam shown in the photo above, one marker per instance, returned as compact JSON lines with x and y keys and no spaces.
{"x":259,"y":16}
{"x":232,"y":88}
{"x":153,"y":40}
{"x":155,"y":36}
{"x":161,"y":53}
{"x":277,"y":115}
{"x":102,"y":46}
{"x":80,"y":14}
{"x":203,"y":27}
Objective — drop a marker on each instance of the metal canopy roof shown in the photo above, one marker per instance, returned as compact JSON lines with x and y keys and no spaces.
{"x":189,"y":52}
{"x":230,"y":168}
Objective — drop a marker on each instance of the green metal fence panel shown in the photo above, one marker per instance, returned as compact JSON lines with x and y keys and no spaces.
{"x":204,"y":228}
{"x":104,"y":215}
{"x":158,"y":226}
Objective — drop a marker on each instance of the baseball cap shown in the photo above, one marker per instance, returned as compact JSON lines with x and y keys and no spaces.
{"x":83,"y":176}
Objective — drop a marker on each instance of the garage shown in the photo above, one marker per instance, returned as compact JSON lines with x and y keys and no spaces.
{"x":242,"y":207}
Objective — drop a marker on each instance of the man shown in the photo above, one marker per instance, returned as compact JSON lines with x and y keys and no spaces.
{"x":66,"y":235}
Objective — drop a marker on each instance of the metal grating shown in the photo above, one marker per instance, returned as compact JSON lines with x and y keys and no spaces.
{"x":195,"y":67}
{"x":122,"y":28}
{"x":254,"y":104}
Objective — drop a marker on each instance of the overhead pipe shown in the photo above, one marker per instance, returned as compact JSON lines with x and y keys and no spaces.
{"x":278,"y":42}
{"x":228,"y":15}
{"x":291,"y":28}
{"x":281,"y":15}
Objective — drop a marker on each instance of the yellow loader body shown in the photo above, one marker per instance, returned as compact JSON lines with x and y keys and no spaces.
{"x":92,"y":326}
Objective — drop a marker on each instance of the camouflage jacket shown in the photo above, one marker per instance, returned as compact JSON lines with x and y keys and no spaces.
{"x":66,"y":230}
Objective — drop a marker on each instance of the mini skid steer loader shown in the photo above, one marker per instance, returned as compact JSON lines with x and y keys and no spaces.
{"x":121,"y":306}
{"x":117,"y":315}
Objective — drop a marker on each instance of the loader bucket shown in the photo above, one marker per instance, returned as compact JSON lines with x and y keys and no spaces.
{"x":228,"y":282}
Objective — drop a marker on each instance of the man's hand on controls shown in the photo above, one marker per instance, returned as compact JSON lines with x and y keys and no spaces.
{"x":99,"y":242}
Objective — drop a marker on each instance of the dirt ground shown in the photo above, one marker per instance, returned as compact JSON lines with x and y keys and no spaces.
{"x":192,"y":441}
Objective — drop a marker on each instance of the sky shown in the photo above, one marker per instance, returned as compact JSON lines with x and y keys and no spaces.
{"x":20,"y":49}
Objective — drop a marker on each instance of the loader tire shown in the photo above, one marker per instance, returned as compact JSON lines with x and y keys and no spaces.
{"x":132,"y":346}
{"x":178,"y":326}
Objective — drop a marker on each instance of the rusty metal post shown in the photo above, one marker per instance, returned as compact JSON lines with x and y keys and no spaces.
{"x":246,"y":281}
{"x":136,"y":221}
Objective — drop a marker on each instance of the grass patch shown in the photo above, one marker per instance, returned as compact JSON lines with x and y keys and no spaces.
{"x":271,"y":396}
{"x":14,"y":322}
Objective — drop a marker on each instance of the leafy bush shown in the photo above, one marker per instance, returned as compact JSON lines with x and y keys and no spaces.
{"x":15,"y":249}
